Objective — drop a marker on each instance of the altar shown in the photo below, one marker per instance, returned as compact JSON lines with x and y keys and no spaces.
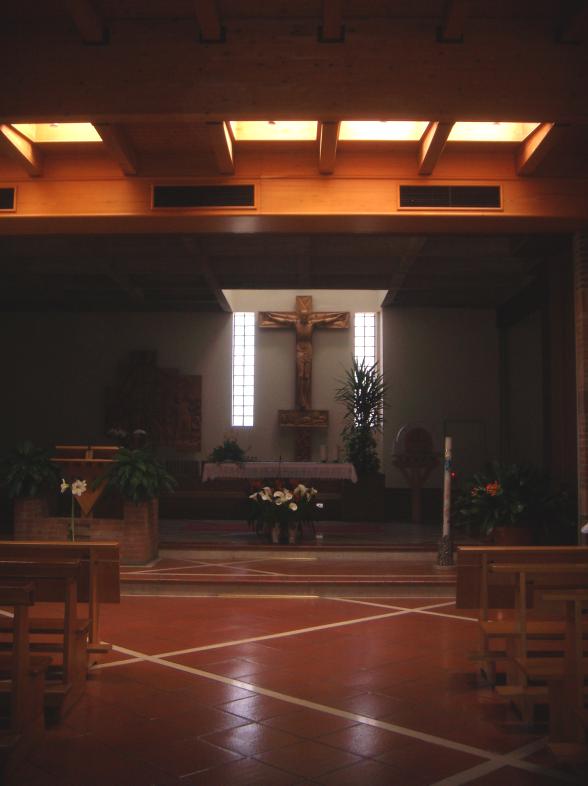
{"x":284,"y":470}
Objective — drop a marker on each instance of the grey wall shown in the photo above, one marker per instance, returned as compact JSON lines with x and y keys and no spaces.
{"x":442,"y":368}
{"x":441,"y":365}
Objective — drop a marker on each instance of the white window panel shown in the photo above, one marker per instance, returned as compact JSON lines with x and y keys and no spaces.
{"x":243,"y":368}
{"x":365,"y":338}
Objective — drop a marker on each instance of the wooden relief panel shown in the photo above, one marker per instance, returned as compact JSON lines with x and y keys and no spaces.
{"x":161,"y":401}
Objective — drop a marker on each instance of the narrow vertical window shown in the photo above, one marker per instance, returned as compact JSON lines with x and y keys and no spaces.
{"x":243,"y":367}
{"x":365,"y":338}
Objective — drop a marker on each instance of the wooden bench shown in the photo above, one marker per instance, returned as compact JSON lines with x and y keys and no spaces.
{"x":62,"y":636}
{"x":99,"y":580}
{"x":21,"y":682}
{"x":479,"y":588}
{"x":565,"y":676}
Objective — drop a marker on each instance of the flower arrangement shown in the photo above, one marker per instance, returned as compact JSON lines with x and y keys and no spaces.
{"x":276,"y":508}
{"x":511,"y":495}
{"x":77,"y":488}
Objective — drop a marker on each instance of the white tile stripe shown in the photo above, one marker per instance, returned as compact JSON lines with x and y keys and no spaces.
{"x":399,"y":611}
{"x":498,"y":760}
{"x":304,"y":576}
{"x":466,"y":776}
{"x":422,"y":610}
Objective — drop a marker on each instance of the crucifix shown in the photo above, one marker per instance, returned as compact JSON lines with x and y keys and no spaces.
{"x":304,"y":320}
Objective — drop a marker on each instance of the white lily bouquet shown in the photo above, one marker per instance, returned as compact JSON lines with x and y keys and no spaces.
{"x":274,"y":508}
{"x":77,"y":488}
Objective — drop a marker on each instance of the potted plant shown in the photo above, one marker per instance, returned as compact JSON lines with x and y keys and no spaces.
{"x":28,"y":471}
{"x":228,"y":450}
{"x":363,"y":393}
{"x":140,"y":478}
{"x":513,"y":504}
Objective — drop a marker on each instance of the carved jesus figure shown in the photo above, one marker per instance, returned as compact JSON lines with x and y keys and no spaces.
{"x":304,"y":320}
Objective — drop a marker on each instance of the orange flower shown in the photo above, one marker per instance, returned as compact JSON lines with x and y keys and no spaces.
{"x":492,"y":489}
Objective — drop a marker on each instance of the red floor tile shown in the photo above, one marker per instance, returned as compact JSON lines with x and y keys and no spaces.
{"x":245,"y":772}
{"x":252,"y":738}
{"x":308,"y":758}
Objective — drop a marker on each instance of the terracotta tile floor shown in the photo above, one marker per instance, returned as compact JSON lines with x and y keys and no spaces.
{"x":229,"y":691}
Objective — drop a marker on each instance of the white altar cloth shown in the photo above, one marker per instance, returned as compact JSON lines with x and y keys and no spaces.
{"x":297,"y":470}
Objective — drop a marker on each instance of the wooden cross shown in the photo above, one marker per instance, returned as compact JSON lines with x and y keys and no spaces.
{"x":304,"y":320}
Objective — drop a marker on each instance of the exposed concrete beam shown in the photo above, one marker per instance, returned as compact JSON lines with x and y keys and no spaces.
{"x":209,"y":22}
{"x":88,"y":21}
{"x":403,"y":267}
{"x":451,"y":29}
{"x":221,"y":143}
{"x":431,"y":146}
{"x":536,"y":147}
{"x":205,"y":268}
{"x":572,"y":27}
{"x":328,"y":138}
{"x":332,"y":30}
{"x":22,"y":150}
{"x":118,"y":145}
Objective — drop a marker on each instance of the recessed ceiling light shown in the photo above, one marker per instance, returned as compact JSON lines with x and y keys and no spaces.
{"x":274,"y":130}
{"x":58,"y":132}
{"x":381,"y":130}
{"x":491,"y":132}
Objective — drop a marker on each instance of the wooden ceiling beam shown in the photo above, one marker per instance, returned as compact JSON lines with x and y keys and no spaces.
{"x":22,"y":150}
{"x":221,"y":143}
{"x":332,"y":29}
{"x":431,"y":146}
{"x":118,"y":145}
{"x":328,"y":138}
{"x":536,"y":147}
{"x":209,"y":22}
{"x":88,"y":21}
{"x":537,"y":80}
{"x":450,"y":31}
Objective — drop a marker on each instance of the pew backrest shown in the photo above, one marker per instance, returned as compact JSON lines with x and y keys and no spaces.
{"x":479,"y":588}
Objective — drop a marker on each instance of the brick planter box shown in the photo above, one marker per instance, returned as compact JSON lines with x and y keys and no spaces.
{"x":137,"y":533}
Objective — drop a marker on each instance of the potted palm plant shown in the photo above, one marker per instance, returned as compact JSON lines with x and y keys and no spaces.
{"x":363,"y":392}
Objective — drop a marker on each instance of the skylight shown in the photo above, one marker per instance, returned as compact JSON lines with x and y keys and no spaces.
{"x":58,"y":132}
{"x":274,"y":130}
{"x":382,"y":130}
{"x":491,"y":132}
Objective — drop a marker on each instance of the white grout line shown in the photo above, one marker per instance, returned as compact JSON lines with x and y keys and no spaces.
{"x":284,"y":634}
{"x":497,"y":760}
{"x":466,"y":776}
{"x":299,"y":576}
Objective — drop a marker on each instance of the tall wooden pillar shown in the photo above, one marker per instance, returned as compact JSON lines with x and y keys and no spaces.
{"x":581,"y":319}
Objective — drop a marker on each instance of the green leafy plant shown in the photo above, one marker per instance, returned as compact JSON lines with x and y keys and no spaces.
{"x":512,"y":495}
{"x":28,"y":470}
{"x":228,"y":450}
{"x":363,"y":393}
{"x":138,"y":475}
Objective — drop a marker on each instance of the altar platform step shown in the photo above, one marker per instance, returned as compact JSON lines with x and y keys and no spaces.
{"x":288,"y":570}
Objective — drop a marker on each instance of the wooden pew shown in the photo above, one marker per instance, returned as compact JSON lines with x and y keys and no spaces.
{"x":21,"y":682}
{"x":478,"y":588}
{"x":566,"y":676}
{"x":99,"y":573}
{"x":63,"y":636}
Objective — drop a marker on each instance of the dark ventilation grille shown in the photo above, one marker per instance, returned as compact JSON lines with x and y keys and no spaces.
{"x":450,"y":196}
{"x":203,"y":196}
{"x":6,"y":198}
